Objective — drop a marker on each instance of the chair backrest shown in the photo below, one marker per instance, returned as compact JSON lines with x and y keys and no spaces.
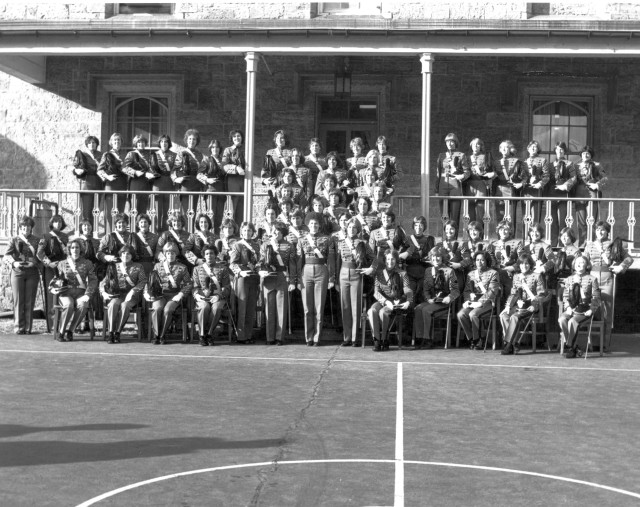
{"x":41,"y":212}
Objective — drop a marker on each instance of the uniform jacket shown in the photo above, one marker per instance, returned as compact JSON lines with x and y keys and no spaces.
{"x":381,"y":239}
{"x":232,"y":158}
{"x":166,"y":236}
{"x":306,"y":249}
{"x":188,"y":164}
{"x":19,"y":250}
{"x":561,"y":172}
{"x":135,"y":273}
{"x":546,"y":259}
{"x":598,"y":253}
{"x":510,"y":170}
{"x":195,"y":244}
{"x":480,"y":165}
{"x":506,"y":256}
{"x":84,"y":269}
{"x":591,"y":172}
{"x":223,"y":285}
{"x":116,"y":170}
{"x":344,"y":250}
{"x":88,"y":162}
{"x":418,"y":248}
{"x":244,"y":256}
{"x":450,"y":164}
{"x":52,"y":247}
{"x":180,"y":273}
{"x":369,"y":223}
{"x":538,"y":169}
{"x":440,"y":282}
{"x":142,"y":250}
{"x":589,"y":287}
{"x":340,"y":174}
{"x":212,"y":168}
{"x":288,"y":256}
{"x":383,"y":287}
{"x":533,"y":281}
{"x":484,"y":284}
{"x":111,"y":244}
{"x":137,"y":160}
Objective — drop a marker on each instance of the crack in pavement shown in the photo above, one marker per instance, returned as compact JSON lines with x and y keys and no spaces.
{"x":299,"y":421}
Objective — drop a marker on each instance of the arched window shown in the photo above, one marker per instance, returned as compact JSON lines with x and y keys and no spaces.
{"x":558,"y":120}
{"x":147,"y":116}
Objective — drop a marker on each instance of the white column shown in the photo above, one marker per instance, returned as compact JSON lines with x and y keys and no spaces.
{"x":252,"y":69}
{"x":427,"y":68}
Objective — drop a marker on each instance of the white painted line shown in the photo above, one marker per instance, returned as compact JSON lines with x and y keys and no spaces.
{"x":114,"y":492}
{"x":398,"y":496}
{"x":319,"y":359}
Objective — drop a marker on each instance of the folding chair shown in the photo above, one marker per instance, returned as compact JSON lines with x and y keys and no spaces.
{"x":446,"y":313}
{"x":396,"y":327}
{"x":488,"y":324}
{"x":183,"y":309}
{"x":538,"y":322}
{"x":599,"y":325}
{"x":138,"y":319}
{"x":226,"y":320}
{"x":57,"y":311}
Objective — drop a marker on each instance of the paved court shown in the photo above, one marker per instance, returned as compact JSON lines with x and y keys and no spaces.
{"x":86,"y":423}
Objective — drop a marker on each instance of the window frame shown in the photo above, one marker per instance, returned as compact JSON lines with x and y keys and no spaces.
{"x":117,"y":10}
{"x":130,"y":98}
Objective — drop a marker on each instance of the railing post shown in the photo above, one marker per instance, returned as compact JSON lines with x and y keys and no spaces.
{"x":249,"y":141}
{"x":427,"y":68}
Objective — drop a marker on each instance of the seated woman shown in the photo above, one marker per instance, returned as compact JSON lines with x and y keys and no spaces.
{"x":457,"y":258}
{"x":581,"y":300}
{"x":228,"y":235}
{"x":480,"y":292}
{"x":80,"y":285}
{"x":389,"y":236}
{"x":540,"y":250}
{"x":243,"y":259}
{"x":353,"y":260}
{"x":474,"y":244}
{"x":130,"y":279}
{"x":440,"y":289}
{"x":176,"y":287}
{"x":415,"y":253}
{"x":51,"y":250}
{"x":522,"y":303}
{"x":90,"y":246}
{"x":608,"y":258}
{"x":506,"y":250}
{"x":278,"y":273}
{"x":110,"y":245}
{"x":392,"y":294}
{"x":565,"y":254}
{"x":25,"y":276}
{"x":203,"y":236}
{"x":144,"y":243}
{"x":177,"y":234}
{"x":211,"y":290}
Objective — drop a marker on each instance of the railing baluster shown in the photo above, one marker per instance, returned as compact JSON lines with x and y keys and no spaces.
{"x":486,"y":219}
{"x":445,"y":211}
{"x":190,"y":213}
{"x":133,"y":212}
{"x":152,"y":211}
{"x":95,"y":213}
{"x":631,"y":222}
{"x":569,"y":220}
{"x":611,"y":219}
{"x":466,"y":218}
{"x":528,"y":217}
{"x":590,"y":221}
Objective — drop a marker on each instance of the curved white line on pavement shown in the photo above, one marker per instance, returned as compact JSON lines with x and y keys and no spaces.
{"x":114,"y":492}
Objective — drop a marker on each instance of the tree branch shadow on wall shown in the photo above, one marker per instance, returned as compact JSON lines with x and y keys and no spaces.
{"x":19,"y":168}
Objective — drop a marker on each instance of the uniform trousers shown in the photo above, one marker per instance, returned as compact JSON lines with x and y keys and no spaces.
{"x":536,"y":206}
{"x":88,"y":200}
{"x":379,"y":318}
{"x":163,"y":202}
{"x":581,"y":190}
{"x":569,"y":326}
{"x":350,"y":302}
{"x":469,"y":319}
{"x":477,"y":187}
{"x":275,"y":292}
{"x":235,"y":183}
{"x":72,"y":311}
{"x":162,"y":311}
{"x":247,"y":300}
{"x":423,"y":316}
{"x":24,"y":287}
{"x":140,"y":188}
{"x":415,"y":275}
{"x":208,"y":315}
{"x":450,"y":186}
{"x":315,"y":280}
{"x":558,"y":214}
{"x":119,"y":184}
{"x":512,"y":322}
{"x":503,"y":206}
{"x":118,"y":311}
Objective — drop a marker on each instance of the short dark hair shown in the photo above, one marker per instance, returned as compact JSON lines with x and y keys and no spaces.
{"x":27,"y":220}
{"x":57,"y":218}
{"x":206,"y":217}
{"x":88,"y":139}
{"x":233,"y":133}
{"x":165,"y":138}
{"x":525,"y":257}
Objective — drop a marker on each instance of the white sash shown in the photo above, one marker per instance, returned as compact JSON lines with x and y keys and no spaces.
{"x":33,"y":250}
{"x":483,"y":289}
{"x":213,"y":278}
{"x":74,"y":270}
{"x":88,"y":152}
{"x":246,"y":243}
{"x":295,"y":231}
{"x":351,"y":246}
{"x":202,"y":236}
{"x":117,"y":155}
{"x":192,"y":154}
{"x":386,"y":276}
{"x":274,"y":244}
{"x":143,"y":158}
{"x":363,"y":222}
{"x":144,"y":242}
{"x":415,"y":241}
{"x":172,"y":280}
{"x":164,"y":160}
{"x":526,"y":288}
{"x":123,"y":271}
{"x":175,"y":235}
{"x":312,"y":242}
{"x":120,"y":237}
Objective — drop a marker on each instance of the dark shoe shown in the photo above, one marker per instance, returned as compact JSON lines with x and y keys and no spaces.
{"x":85,"y":328}
{"x":279,"y":343}
{"x":428,"y":344}
{"x":346,"y":344}
{"x":571,"y":354}
{"x":250,"y":340}
{"x":60,"y":338}
{"x":310,"y":344}
{"x":156,"y":341}
{"x":20,"y":331}
{"x":376,"y":346}
{"x":203,"y":342}
{"x":116,"y":337}
{"x":507,"y":350}
{"x":163,"y":340}
{"x":516,"y":348}
{"x":271,"y":343}
{"x":385,"y":345}
{"x":209,"y":340}
{"x":69,"y":336}
{"x":316,"y":344}
{"x":418,"y":343}
{"x":112,"y":338}
{"x":356,"y":344}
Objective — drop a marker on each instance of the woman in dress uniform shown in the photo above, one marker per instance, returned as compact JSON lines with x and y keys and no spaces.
{"x":590,"y":180}
{"x":388,"y":163}
{"x":176,"y":287}
{"x":177,"y":234}
{"x":440,"y":289}
{"x":203,"y":236}
{"x":562,"y":178}
{"x":539,"y":250}
{"x":368,"y":221}
{"x":452,"y":169}
{"x":90,"y":247}
{"x":481,"y":179}
{"x":314,"y":161}
{"x":353,"y":261}
{"x":276,"y":160}
{"x":346,"y":178}
{"x":21,"y":256}
{"x":415,"y":254}
{"x":211,"y":290}
{"x":581,"y":300}
{"x":314,"y":250}
{"x":85,"y":169}
{"x":458,"y":258}
{"x":538,"y":169}
{"x":523,"y":302}
{"x":131,"y":280}
{"x":505,"y":250}
{"x":51,"y":250}
{"x":144,"y":243}
{"x":243,"y":259}
{"x":111,"y":243}
{"x":137,"y":166}
{"x":392,"y":293}
{"x":213,"y":177}
{"x":162,"y":165}
{"x":511,"y":177}
{"x":81,"y":285}
{"x":370,"y":177}
{"x":110,"y":171}
{"x":278,"y":274}
{"x":357,"y":162}
{"x":388,"y":236}
{"x":228,"y":235}
{"x":234,"y":165}
{"x":188,"y":165}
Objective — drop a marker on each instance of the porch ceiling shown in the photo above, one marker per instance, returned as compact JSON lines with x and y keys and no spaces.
{"x":322,"y":36}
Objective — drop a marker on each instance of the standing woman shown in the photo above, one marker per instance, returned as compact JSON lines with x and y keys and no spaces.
{"x":144,"y":243}
{"x":81,"y":285}
{"x":110,"y":171}
{"x":506,"y":250}
{"x":415,"y":254}
{"x":353,"y":261}
{"x":162,"y":164}
{"x":234,"y":165}
{"x":188,"y":165}
{"x":314,"y":161}
{"x":214,"y":178}
{"x":538,"y":169}
{"x":392,"y":293}
{"x":85,"y":169}
{"x":540,"y":250}
{"x":357,"y":162}
{"x":346,"y":179}
{"x":202,"y":237}
{"x":314,"y":250}
{"x":137,"y":166}
{"x":389,"y":166}
{"x":276,"y":160}
{"x":511,"y":177}
{"x":303,"y":174}
{"x":21,"y":256}
{"x":590,"y":180}
{"x":51,"y":250}
{"x":243,"y":258}
{"x":278,"y":274}
{"x":562,"y":178}
{"x":228,"y":236}
{"x":481,"y":180}
{"x":452,"y":169}
{"x":368,"y":220}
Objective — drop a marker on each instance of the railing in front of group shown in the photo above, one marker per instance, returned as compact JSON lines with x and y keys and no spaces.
{"x":41,"y":204}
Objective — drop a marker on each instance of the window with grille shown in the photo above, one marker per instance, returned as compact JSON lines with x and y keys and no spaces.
{"x":562,"y":119}
{"x":147,"y":116}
